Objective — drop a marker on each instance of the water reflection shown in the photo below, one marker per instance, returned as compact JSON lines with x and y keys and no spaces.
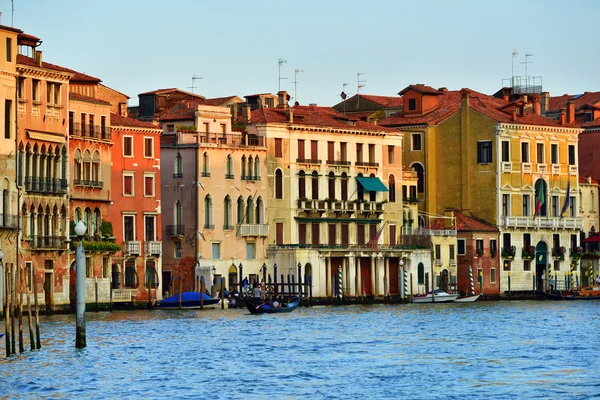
{"x":502,"y":349}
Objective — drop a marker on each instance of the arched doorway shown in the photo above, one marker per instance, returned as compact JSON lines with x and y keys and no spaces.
{"x":233,"y":277}
{"x":116,"y":276}
{"x":444,"y":281}
{"x":541,"y":261}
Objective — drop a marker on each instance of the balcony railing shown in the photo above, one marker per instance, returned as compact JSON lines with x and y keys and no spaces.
{"x":526,"y":168}
{"x":542,"y":168}
{"x":543,"y":222}
{"x":87,"y":183}
{"x":132,"y":247}
{"x":9,"y":221}
{"x":219,"y":139}
{"x":178,"y":175}
{"x":152,"y":247}
{"x":46,"y":185}
{"x":205,"y":174}
{"x":506,"y":167}
{"x":434,"y":232}
{"x":48,"y":242}
{"x":573,"y":169}
{"x":229,"y":176}
{"x":245,"y":230}
{"x":366,"y":164}
{"x":439,"y":262}
{"x":555,"y":169}
{"x":209,"y":226}
{"x":175,"y":230}
{"x":335,"y":162}
{"x":308,"y":161}
{"x":251,"y":178}
{"x":77,"y":129}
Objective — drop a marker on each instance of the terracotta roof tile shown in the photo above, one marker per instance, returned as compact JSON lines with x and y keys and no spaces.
{"x":472,"y":224}
{"x":419,"y":87}
{"x":219,"y":101}
{"x":169,"y":90}
{"x":558,"y":102}
{"x":77,"y":96}
{"x":584,"y":180}
{"x":118,"y":120}
{"x":77,"y":76}
{"x":182,"y":110}
{"x":385,"y":101}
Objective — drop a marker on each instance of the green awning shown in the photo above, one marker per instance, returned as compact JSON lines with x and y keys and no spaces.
{"x":372,"y":184}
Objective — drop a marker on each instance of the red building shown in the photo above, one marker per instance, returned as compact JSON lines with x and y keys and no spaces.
{"x":136,"y":209}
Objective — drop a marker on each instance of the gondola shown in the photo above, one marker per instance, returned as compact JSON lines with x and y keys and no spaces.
{"x":189,"y":301}
{"x":557,"y":295}
{"x":258,"y":306}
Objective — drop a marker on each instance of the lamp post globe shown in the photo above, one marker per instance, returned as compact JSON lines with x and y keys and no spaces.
{"x":401,"y":263}
{"x":1,"y":255}
{"x":80,"y":229}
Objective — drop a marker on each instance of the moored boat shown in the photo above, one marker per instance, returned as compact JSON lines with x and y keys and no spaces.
{"x":258,"y":306}
{"x":437,"y":296}
{"x":582,"y":294}
{"x":189,"y":301}
{"x":467,"y":299}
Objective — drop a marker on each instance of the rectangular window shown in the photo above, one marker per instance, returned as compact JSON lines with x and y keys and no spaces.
{"x":371,"y":153}
{"x":540,"y":153}
{"x":105,"y":267}
{"x":345,"y":234}
{"x":331,"y":235}
{"x":127,"y":145}
{"x":438,"y":252}
{"x":35,"y":90}
{"x":493,"y":247}
{"x":216,"y":251}
{"x":484,"y":152}
{"x":89,"y":272}
{"x":21,"y":89}
{"x":462,"y":246}
{"x":589,"y":116}
{"x":359,"y":152}
{"x":572,"y":207}
{"x":302,"y":233}
{"x":525,"y":152}
{"x":526,"y":205}
{"x":571,"y":154}
{"x":149,"y":185}
{"x":278,"y":148}
{"x":178,"y":250}
{"x":8,"y":49}
{"x":417,"y":144}
{"x":344,"y":151}
{"x":526,"y":265}
{"x":7,"y":118}
{"x":492,"y":275}
{"x":391,"y":155}
{"x":150,"y":228}
{"x":573,"y":242}
{"x":170,"y":128}
{"x":392,"y":233}
{"x":505,"y":205}
{"x":479,"y":247}
{"x":314,"y":150}
{"x":412,"y":104}
{"x":83,"y":123}
{"x":128,"y":185}
{"x":148,"y":147}
{"x":360,"y":234}
{"x":506,"y":241}
{"x":526,"y":240}
{"x":556,"y":265}
{"x":452,"y":255}
{"x":554,"y":153}
{"x":330,"y":151}
{"x":128,"y":227}
{"x":505,"y":151}
{"x":251,"y":251}
{"x":92,"y":125}
{"x":150,"y":275}
{"x":279,"y":233}
{"x":555,"y":206}
{"x":315,"y":234}
{"x":301,"y":154}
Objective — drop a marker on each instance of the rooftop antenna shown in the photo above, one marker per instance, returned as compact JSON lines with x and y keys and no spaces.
{"x":344,"y":95}
{"x":12,"y":13}
{"x":194,"y":78}
{"x":514,"y":55}
{"x":296,"y":72}
{"x":281,"y":62}
{"x":527,"y":62}
{"x":359,"y":84}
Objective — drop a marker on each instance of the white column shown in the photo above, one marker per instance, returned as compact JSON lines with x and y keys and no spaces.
{"x":387,"y":276}
{"x":328,"y":277}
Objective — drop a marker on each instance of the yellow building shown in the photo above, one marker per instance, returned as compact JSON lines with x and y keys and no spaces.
{"x":494,"y":158}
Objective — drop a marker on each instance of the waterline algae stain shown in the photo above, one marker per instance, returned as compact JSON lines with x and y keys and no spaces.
{"x":479,"y":350}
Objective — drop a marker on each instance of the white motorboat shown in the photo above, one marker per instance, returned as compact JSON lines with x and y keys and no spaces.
{"x":437,"y":296}
{"x":467,"y":299}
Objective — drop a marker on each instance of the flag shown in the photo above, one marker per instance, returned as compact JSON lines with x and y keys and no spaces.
{"x":567,"y":199}
{"x":374,"y":242}
{"x":540,"y":201}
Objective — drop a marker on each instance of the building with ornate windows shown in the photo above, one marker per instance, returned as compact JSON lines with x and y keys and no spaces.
{"x":214,"y":197}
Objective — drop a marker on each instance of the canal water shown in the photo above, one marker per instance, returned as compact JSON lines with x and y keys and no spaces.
{"x":428,"y":351}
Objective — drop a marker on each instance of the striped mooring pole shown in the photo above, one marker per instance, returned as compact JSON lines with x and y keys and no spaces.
{"x":549,"y":277}
{"x":405,"y":283}
{"x":340,"y":291}
{"x":472,"y":282}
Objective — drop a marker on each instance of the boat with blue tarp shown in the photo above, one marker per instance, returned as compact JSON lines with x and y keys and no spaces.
{"x":189,"y":300}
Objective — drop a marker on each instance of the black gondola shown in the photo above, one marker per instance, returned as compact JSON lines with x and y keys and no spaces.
{"x":258,"y":306}
{"x":568,"y":296}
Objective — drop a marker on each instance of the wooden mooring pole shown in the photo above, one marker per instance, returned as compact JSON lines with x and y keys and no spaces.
{"x":6,"y":303}
{"x":29,"y":316}
{"x":180,"y":290}
{"x":201,"y":292}
{"x":222,"y":293}
{"x":13,"y":302}
{"x":37,"y":311}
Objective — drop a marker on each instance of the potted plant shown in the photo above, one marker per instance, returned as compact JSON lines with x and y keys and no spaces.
{"x":576,"y":253}
{"x":528,"y":253}
{"x":559,"y":252}
{"x":479,"y":252}
{"x":509,"y":252}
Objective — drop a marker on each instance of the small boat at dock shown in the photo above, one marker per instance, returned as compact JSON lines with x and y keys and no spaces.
{"x":189,"y":301}
{"x":437,"y":296}
{"x":589,"y":293}
{"x":467,"y":299}
{"x":258,"y":306}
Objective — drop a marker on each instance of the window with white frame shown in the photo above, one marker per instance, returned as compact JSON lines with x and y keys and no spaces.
{"x":540,"y":153}
{"x":525,"y":152}
{"x":250,"y":251}
{"x":526,"y":204}
{"x":505,"y":151}
{"x":128,"y":184}
{"x":127,"y":146}
{"x":150,"y":228}
{"x":149,"y":185}
{"x":129,"y":227}
{"x":417,"y":142}
{"x":216,"y":251}
{"x":148,"y":147}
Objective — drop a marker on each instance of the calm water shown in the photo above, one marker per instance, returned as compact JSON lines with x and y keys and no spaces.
{"x":482,"y":350}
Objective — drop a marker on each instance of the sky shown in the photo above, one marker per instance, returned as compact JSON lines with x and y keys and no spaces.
{"x":136,"y":46}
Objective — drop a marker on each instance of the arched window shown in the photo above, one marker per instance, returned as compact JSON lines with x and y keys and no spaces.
{"x":331,"y":185}
{"x":205,"y":165}
{"x":420,"y":274}
{"x":278,"y":184}
{"x":372,"y":194}
{"x":34,"y":166}
{"x":96,"y":219}
{"x":63,"y":161}
{"x":302,"y":184}
{"x":229,"y":167}
{"x":87,"y":215}
{"x":240,"y":210}
{"x":420,"y":177}
{"x":208,"y":212}
{"x":360,"y":191}
{"x":96,"y":167}
{"x":314,"y":182}
{"x":344,"y":186}
{"x":257,"y":169}
{"x":243,"y":169}
{"x":260,"y":212}
{"x":87,"y":166}
{"x":249,"y":166}
{"x":392,"y":188}
{"x":178,"y":166}
{"x":250,"y":210}
{"x":78,"y":166}
{"x":227,"y":220}
{"x":541,"y":194}
{"x":77,"y":215}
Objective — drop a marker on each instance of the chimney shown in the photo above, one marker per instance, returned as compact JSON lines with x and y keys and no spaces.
{"x":123,"y":109}
{"x":234,"y":112}
{"x":282,"y":98}
{"x":570,"y":112}
{"x":545,"y":102}
{"x":537,"y":106}
{"x":291,"y":115}
{"x":563,"y":115}
{"x":246,"y":111}
{"x":443,"y":89}
{"x":374,"y":122}
{"x":525,"y":98}
{"x":465,"y":94}
{"x":506,"y":94}
{"x":513,"y":116}
{"x":38,"y":58}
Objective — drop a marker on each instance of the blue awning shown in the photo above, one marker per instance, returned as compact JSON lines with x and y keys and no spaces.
{"x":372,"y":184}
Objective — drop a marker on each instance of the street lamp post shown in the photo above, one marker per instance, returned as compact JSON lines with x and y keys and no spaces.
{"x":80,"y":339}
{"x":275,"y":278}
{"x":264,"y":268}
{"x":401,"y":263}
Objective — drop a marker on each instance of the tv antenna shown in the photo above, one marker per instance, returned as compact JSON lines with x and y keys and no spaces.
{"x":359,"y":84}
{"x":281,"y":62}
{"x":514,"y":55}
{"x":296,"y":72}
{"x":527,"y":62}
{"x":194,"y":78}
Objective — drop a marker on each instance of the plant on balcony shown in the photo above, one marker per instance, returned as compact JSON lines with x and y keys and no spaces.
{"x":559,"y":252}
{"x":576,"y":253}
{"x":186,"y":128}
{"x":106,"y":229}
{"x":493,"y":253}
{"x":479,"y":252}
{"x":509,"y":252}
{"x":96,"y":246}
{"x":528,"y":253}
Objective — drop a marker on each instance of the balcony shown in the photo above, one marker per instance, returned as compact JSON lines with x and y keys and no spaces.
{"x":49,"y":243}
{"x":46,"y":185}
{"x":246,"y":230}
{"x":555,"y":169}
{"x":366,"y":164}
{"x":439,"y":262}
{"x":90,"y":131}
{"x":153,"y":247}
{"x":132,"y":247}
{"x":229,"y":176}
{"x":342,"y":163}
{"x":219,"y":139}
{"x":178,"y":175}
{"x":543,"y":222}
{"x":506,"y":167}
{"x":526,"y":168}
{"x":541,"y":168}
{"x":434,"y":232}
{"x":251,"y":178}
{"x":87,"y":183}
{"x":573,"y":169}
{"x":205,"y":174}
{"x":9,"y":221}
{"x":175,"y":230}
{"x":308,"y":161}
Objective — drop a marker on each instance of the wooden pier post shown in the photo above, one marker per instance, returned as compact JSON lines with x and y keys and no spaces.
{"x":201,"y":292}
{"x":275,"y":280}
{"x":20,"y":294}
{"x":310,"y":294}
{"x":222,"y":293}
{"x":180,"y":290}
{"x":7,"y":306}
{"x":96,"y":291}
{"x":37,"y":311}
{"x":29,"y":319}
